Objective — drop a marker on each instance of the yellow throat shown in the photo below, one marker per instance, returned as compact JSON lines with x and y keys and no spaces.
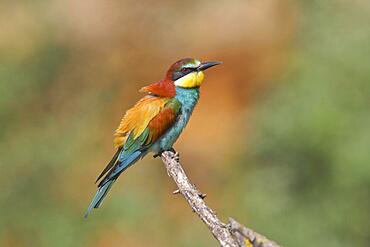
{"x":193,"y":79}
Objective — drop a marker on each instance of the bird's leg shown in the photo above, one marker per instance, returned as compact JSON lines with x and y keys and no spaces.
{"x":171,"y":150}
{"x":157,"y":154}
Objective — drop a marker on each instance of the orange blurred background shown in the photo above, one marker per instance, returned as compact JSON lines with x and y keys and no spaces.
{"x":264,"y":143}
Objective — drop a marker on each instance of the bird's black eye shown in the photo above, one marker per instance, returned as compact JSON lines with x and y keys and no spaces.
{"x":181,"y":72}
{"x":185,"y":70}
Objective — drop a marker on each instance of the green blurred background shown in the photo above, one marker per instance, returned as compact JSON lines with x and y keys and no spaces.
{"x":280,"y":139}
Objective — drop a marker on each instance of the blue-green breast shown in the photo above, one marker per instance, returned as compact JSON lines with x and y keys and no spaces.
{"x":188,"y":98}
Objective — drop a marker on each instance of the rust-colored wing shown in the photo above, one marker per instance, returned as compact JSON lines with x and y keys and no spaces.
{"x":142,"y":125}
{"x":137,"y":118}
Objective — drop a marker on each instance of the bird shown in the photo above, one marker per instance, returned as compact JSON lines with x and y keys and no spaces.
{"x":155,"y":122}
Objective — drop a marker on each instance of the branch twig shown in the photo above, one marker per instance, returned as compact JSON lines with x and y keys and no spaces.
{"x":246,"y":236}
{"x":231,"y":235}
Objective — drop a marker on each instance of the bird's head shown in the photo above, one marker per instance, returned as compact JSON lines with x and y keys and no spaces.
{"x":185,"y":73}
{"x":188,"y":72}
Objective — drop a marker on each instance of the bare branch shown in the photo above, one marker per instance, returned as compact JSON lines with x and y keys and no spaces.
{"x":245,"y":235}
{"x":193,"y":197}
{"x":231,"y":235}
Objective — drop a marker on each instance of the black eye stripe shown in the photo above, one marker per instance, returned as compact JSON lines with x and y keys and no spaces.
{"x":187,"y":70}
{"x":182,"y":72}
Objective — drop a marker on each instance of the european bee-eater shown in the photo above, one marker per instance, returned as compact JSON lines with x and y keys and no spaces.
{"x":155,"y":122}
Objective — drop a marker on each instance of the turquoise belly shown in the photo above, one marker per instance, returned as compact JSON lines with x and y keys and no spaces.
{"x":188,"y":98}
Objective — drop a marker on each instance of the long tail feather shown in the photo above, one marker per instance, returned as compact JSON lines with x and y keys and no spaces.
{"x":113,"y":162}
{"x":99,"y":196}
{"x":120,"y":167}
{"x":110,"y":178}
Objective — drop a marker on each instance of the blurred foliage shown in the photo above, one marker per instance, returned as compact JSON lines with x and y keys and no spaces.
{"x":310,"y":146}
{"x":295,"y":83}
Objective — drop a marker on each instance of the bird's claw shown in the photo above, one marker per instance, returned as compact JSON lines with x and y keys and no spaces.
{"x":176,"y":154}
{"x":158,"y":154}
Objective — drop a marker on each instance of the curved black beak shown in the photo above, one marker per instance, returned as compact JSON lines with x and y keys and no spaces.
{"x":207,"y":65}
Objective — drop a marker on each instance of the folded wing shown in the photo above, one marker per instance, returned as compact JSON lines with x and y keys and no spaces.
{"x":141,"y":126}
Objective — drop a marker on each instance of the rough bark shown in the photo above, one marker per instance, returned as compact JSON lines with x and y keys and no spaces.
{"x":228,"y":235}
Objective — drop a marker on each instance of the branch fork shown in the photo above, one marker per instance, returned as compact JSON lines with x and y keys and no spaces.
{"x":232,"y":234}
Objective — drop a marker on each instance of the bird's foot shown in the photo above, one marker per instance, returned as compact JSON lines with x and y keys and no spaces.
{"x":158,"y":154}
{"x":171,"y":150}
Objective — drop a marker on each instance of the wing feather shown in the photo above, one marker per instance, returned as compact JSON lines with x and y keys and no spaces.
{"x":137,"y":118}
{"x":166,"y":110}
